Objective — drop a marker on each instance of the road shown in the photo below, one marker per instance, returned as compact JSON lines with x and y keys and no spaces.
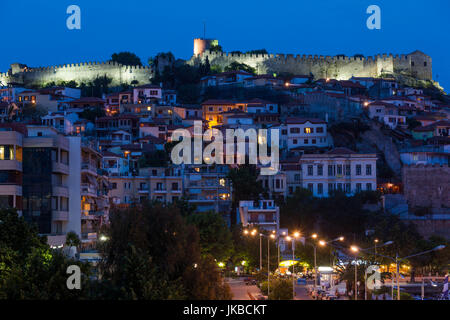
{"x":301,"y":293}
{"x":240,"y":290}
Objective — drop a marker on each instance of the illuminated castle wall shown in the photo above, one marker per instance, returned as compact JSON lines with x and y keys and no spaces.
{"x":337,"y":67}
{"x":80,"y":72}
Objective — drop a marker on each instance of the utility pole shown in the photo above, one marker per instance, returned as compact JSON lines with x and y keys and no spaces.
{"x":204,"y":30}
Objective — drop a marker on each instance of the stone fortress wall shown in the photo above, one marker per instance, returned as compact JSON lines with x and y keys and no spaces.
{"x":427,"y":186}
{"x":80,"y":72}
{"x":338,"y":67}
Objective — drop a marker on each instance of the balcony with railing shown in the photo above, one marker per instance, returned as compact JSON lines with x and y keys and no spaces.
{"x":60,"y":190}
{"x":88,"y":166}
{"x":89,"y":189}
{"x":160,"y":190}
{"x":60,"y":167}
{"x":60,"y":215}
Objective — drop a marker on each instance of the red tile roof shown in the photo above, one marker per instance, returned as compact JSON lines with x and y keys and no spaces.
{"x":341,"y":150}
{"x":87,"y":100}
{"x":297,"y":120}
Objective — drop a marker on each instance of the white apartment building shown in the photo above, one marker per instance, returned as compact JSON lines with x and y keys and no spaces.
{"x":262,"y":213}
{"x":304,"y":132}
{"x":340,"y":169}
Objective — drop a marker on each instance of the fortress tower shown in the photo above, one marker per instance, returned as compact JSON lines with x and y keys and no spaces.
{"x":201,"y":45}
{"x":338,"y":67}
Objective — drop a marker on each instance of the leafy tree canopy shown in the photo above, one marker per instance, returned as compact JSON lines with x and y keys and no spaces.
{"x":236,"y":66}
{"x":126,"y":58}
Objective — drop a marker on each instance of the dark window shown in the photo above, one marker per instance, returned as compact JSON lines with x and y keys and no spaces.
{"x":320,"y":170}
{"x":347,"y":170}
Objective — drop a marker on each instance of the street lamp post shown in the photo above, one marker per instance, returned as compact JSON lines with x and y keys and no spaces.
{"x":314,"y":236}
{"x":268,"y":267}
{"x":398,"y":260}
{"x":296,"y":235}
{"x":324,"y":243}
{"x":260,"y":253}
{"x":355,"y":249}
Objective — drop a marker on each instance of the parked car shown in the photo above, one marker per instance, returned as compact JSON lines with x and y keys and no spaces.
{"x":249,"y":281}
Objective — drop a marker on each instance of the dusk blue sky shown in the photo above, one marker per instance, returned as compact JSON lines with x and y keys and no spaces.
{"x":35,"y":33}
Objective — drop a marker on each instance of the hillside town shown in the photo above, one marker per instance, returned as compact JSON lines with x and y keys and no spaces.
{"x":72,"y":153}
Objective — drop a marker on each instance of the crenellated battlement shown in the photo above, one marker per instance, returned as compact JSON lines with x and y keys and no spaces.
{"x":339,"y":66}
{"x":80,"y":72}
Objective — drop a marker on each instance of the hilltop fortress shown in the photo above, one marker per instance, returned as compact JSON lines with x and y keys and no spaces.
{"x":338,"y":67}
{"x":80,"y":72}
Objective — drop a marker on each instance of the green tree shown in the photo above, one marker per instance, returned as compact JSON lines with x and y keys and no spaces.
{"x":236,"y":66}
{"x":246,"y":186}
{"x":72,"y":240}
{"x":29,"y":269}
{"x":216,"y":48}
{"x":215,"y":237}
{"x":126,"y":58}
{"x":280,"y":289}
{"x":92,"y":113}
{"x":258,"y":51}
{"x":157,"y":232}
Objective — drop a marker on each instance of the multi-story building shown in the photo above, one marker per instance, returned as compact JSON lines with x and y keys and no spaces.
{"x":263,"y":213}
{"x":275,"y":185}
{"x":212,"y":110}
{"x":51,"y":182}
{"x":208,"y":188}
{"x":94,"y":193}
{"x":147,"y":93}
{"x":106,"y":127}
{"x":429,"y":154}
{"x":293,"y":171}
{"x":115,"y":164}
{"x":49,"y":100}
{"x":60,"y":121}
{"x":340,"y":169}
{"x":225,"y":79}
{"x":11,"y":165}
{"x":304,"y":132}
{"x":154,"y":183}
